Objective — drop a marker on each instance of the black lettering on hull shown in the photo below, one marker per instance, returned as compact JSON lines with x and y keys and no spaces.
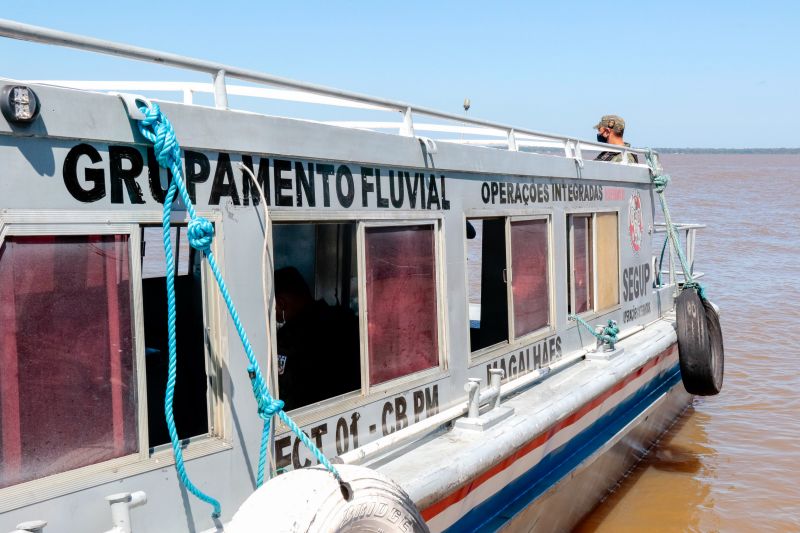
{"x":88,"y":176}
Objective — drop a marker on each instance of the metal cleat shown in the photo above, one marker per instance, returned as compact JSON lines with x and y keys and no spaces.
{"x":475,"y":421}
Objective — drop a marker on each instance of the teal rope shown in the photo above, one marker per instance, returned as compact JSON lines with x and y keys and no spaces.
{"x":157,"y":129}
{"x":661,"y":261}
{"x":660,"y":182}
{"x":608,"y":335}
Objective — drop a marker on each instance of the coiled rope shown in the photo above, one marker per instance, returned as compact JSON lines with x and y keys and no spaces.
{"x":157,"y":129}
{"x":660,"y":181}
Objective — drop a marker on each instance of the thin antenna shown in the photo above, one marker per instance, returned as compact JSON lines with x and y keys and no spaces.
{"x":467,"y":105}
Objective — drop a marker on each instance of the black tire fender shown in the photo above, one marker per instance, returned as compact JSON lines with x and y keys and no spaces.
{"x":310,"y":499}
{"x":700,"y":346}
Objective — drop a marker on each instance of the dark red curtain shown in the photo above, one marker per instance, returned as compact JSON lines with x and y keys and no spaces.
{"x":68,"y":395}
{"x":401,"y":301}
{"x":529,"y":276}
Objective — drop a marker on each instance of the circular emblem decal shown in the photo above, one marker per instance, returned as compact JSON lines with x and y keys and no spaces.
{"x":635,"y":222}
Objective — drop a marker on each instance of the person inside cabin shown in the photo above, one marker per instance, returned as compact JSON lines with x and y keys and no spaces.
{"x":611,"y":129}
{"x":318,"y":344}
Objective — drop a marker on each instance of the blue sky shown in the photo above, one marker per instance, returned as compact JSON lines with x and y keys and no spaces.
{"x":696,"y":74}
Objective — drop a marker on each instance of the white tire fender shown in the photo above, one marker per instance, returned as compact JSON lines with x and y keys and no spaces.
{"x":311,"y":500}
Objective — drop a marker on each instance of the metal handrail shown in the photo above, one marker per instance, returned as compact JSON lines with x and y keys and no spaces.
{"x":661,"y":227}
{"x":189,"y":88}
{"x":492,"y":136}
{"x":219,"y":72}
{"x":496,"y":137}
{"x":690,"y":245}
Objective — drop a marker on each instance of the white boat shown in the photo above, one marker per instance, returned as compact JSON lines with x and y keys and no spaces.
{"x":416,"y":312}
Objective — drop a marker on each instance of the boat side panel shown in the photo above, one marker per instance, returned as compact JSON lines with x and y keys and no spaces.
{"x":79,"y":131}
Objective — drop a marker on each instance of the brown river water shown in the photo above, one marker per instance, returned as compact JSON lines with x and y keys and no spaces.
{"x":732,"y":463}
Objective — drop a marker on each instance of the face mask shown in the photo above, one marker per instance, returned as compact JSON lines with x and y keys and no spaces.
{"x":601,"y":139}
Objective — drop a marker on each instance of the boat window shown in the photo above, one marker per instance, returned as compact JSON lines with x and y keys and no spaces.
{"x":581,"y":263}
{"x":190,"y":404}
{"x":486,"y":274}
{"x":529,"y":283}
{"x":593,"y":261}
{"x":607,"y":260}
{"x":316,"y":308}
{"x":67,"y":377}
{"x":402,"y":323}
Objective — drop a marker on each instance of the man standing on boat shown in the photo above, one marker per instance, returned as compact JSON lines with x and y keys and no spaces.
{"x":610,"y":130}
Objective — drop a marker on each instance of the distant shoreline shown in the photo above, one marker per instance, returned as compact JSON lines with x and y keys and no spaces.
{"x":728,"y":150}
{"x":720,"y":151}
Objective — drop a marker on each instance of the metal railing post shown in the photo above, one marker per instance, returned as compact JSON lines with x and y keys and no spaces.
{"x":408,"y":124}
{"x":512,"y":141}
{"x":576,"y":152}
{"x":220,"y":92}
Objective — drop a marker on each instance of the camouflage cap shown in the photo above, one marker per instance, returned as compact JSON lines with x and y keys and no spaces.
{"x":613,"y":122}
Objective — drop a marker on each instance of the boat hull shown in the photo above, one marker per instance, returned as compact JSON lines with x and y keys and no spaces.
{"x":563,"y":470}
{"x":563,"y":505}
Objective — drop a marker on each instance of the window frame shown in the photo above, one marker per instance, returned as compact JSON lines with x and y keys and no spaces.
{"x":550,"y":294}
{"x":402,"y":382}
{"x":366,"y":394}
{"x":212,"y":321}
{"x":492,"y":348}
{"x":592,"y":213}
{"x":617,"y":305}
{"x":513,"y":342}
{"x":307,"y":413}
{"x":571,"y":261}
{"x":44,"y":223}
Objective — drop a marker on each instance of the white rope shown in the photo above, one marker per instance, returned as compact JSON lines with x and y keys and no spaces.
{"x":267,"y":314}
